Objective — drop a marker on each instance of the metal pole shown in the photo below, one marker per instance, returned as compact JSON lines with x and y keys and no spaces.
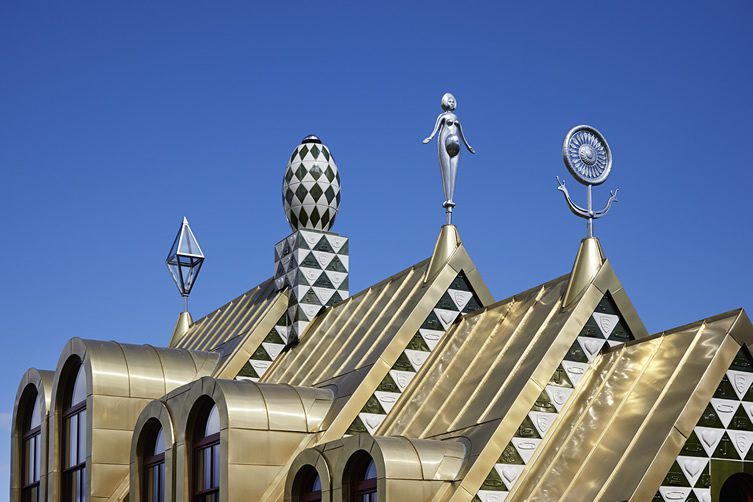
{"x":185,"y":304}
{"x":590,"y":224}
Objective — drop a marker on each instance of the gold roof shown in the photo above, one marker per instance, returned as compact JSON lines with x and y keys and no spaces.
{"x":224,"y":328}
{"x":486,"y":374}
{"x":628,"y":420}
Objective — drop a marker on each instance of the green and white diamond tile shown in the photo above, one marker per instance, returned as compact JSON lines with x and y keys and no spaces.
{"x":458,"y":299}
{"x":605,"y":327}
{"x":314,"y":266}
{"x":311,"y":188}
{"x":724,"y":432}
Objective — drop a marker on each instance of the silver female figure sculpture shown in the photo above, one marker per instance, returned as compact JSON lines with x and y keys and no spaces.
{"x":448,"y":147}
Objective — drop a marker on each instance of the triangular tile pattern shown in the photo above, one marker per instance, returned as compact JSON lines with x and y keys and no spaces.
{"x":314,"y":266}
{"x":458,"y":299}
{"x":311,"y":188}
{"x":604,"y":328}
{"x":266,"y":353}
{"x":724,"y":431}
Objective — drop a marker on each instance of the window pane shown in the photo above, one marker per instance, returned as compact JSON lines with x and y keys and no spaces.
{"x":37,"y":450}
{"x":371,"y":471}
{"x":71,"y":443}
{"x":215,"y":465}
{"x":36,"y":415}
{"x":161,"y":485}
{"x":213,"y":422}
{"x":82,"y":485}
{"x":81,"y":436}
{"x":79,"y":388}
{"x":207,"y":454}
{"x":159,"y":443}
{"x":149,"y":484}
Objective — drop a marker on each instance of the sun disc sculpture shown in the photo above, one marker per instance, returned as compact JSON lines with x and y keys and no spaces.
{"x":589,"y":159}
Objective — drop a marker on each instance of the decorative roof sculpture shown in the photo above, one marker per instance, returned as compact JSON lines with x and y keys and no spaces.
{"x":589,"y":159}
{"x":311,"y":187}
{"x":448,"y":148}
{"x":184,"y":262}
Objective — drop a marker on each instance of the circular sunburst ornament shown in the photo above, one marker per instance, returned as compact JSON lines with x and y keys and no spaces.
{"x":587,"y":155}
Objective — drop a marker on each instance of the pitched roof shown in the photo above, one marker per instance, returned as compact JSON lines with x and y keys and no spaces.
{"x":627,"y":422}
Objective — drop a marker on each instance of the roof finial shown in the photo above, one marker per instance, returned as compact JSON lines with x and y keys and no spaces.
{"x":184,"y":262}
{"x":588,"y":158}
{"x":448,"y":148}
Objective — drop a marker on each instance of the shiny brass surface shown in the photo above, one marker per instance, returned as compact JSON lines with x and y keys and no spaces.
{"x":629,"y":418}
{"x":448,"y":242}
{"x":263,"y":428}
{"x":587,"y":264}
{"x":181,"y":328}
{"x":121,"y":380}
{"x":39,"y":383}
{"x":155,"y":410}
{"x":235,"y":318}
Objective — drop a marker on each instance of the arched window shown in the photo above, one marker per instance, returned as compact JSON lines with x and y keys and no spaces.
{"x":154,"y":466}
{"x":362,"y":477}
{"x":31,"y":450}
{"x":206,"y":457}
{"x":737,"y":488}
{"x":307,"y":486}
{"x":74,"y":440}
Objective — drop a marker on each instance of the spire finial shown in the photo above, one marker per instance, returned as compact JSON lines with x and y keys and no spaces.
{"x":448,"y":147}
{"x":588,"y":158}
{"x":184,"y":261}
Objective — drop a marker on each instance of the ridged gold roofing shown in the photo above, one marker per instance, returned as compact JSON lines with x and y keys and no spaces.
{"x":630,"y":417}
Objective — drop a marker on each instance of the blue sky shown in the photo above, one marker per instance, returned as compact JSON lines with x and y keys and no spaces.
{"x":117,"y":119}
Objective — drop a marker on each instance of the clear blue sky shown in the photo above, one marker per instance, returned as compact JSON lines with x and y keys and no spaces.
{"x":117,"y":119}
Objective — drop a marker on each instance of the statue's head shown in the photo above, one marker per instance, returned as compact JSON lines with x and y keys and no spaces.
{"x":448,"y":102}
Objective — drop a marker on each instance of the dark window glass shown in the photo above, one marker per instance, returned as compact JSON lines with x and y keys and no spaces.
{"x":308,"y":485}
{"x":30,"y":451}
{"x":74,"y":441}
{"x":363,"y":481}
{"x":154,"y":467}
{"x":206,"y":457}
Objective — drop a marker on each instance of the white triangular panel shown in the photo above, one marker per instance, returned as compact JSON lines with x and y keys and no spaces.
{"x":387,"y":399}
{"x":431,"y":337}
{"x":490,"y":496}
{"x":591,"y":346}
{"x":402,"y":378}
{"x":417,"y":357}
{"x":273,"y":349}
{"x":674,"y":493}
{"x":446,"y":317}
{"x":260,"y":366}
{"x":692,"y":467}
{"x":741,"y":440}
{"x":542,"y":421}
{"x":558,"y":395}
{"x":509,"y":473}
{"x":709,"y":438}
{"x":372,"y":421}
{"x":606,"y":322}
{"x":575,"y":371}
{"x":702,"y":494}
{"x":525,"y":447}
{"x":461,"y":298}
{"x":323,"y":258}
{"x":740,"y":380}
{"x":725,"y":408}
{"x":336,"y":278}
{"x":324,"y":294}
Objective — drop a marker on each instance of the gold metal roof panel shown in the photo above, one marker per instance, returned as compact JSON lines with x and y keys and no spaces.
{"x":237,"y":317}
{"x":628,"y":420}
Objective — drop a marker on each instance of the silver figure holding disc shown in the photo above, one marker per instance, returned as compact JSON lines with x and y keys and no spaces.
{"x":589,"y":159}
{"x":448,"y":148}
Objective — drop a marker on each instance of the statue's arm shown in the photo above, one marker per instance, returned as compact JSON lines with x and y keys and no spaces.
{"x":462,"y":136}
{"x":440,"y":119}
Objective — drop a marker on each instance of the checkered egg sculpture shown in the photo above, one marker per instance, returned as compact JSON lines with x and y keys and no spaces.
{"x":311,"y":188}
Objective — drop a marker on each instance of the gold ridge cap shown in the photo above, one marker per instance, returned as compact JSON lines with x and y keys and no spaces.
{"x":588,"y":262}
{"x":181,"y":328}
{"x":447,"y":243}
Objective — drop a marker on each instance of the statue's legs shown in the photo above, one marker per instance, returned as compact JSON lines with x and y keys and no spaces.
{"x":444,"y":170}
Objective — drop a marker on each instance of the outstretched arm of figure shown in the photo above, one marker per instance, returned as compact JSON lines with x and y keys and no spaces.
{"x":612,"y":199}
{"x":462,"y":136}
{"x":440,"y":119}
{"x":574,"y":208}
